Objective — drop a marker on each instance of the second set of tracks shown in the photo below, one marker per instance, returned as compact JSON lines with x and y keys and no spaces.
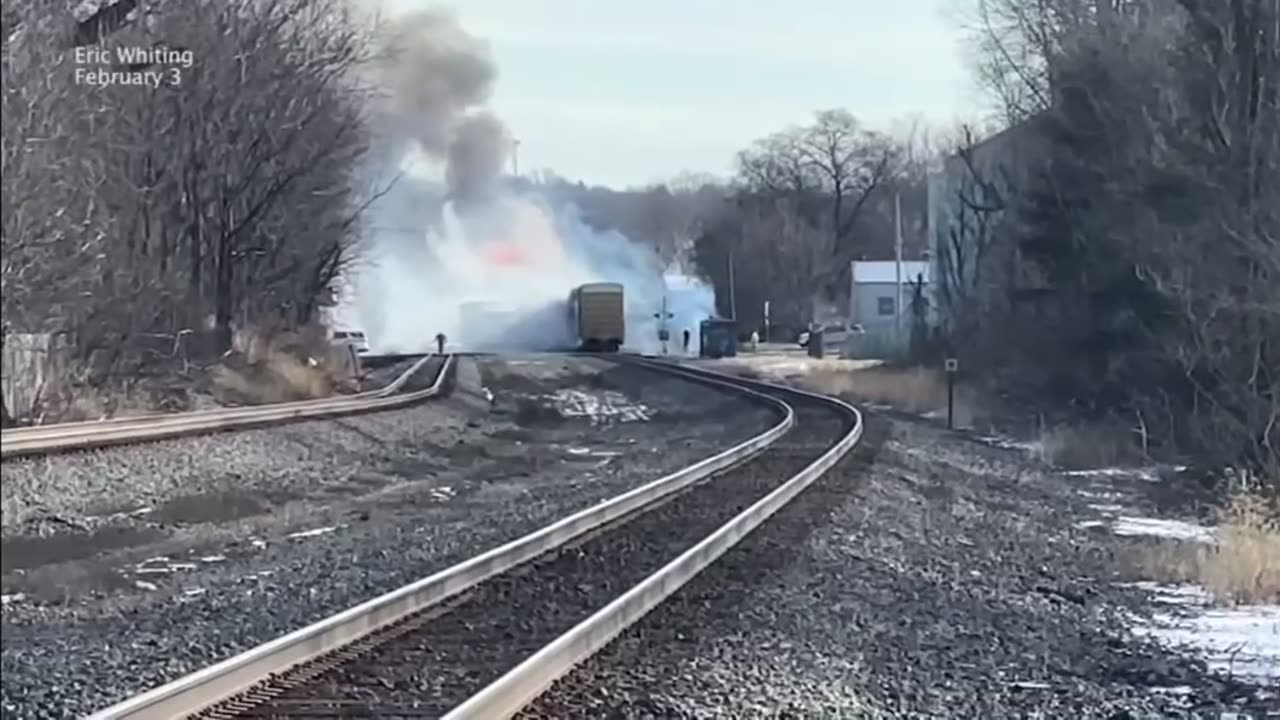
{"x":484,"y":638}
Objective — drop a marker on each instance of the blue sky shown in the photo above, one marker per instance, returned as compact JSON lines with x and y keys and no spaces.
{"x":627,"y":93}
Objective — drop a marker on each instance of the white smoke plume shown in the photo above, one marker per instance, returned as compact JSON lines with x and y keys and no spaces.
{"x":450,"y":236}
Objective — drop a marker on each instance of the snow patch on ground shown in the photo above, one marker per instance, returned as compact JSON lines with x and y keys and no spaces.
{"x":1031,"y":447}
{"x":1157,"y":527}
{"x":312,"y":532}
{"x":1150,"y":474}
{"x":1242,"y":642}
{"x":605,"y":407}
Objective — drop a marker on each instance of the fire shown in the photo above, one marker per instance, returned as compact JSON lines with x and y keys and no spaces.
{"x":506,"y":254}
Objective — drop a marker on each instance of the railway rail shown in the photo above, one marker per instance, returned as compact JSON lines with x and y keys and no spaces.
{"x":46,"y":439}
{"x":485,"y":637}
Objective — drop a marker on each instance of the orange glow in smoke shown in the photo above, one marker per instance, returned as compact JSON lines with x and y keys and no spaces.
{"x":505,"y":254}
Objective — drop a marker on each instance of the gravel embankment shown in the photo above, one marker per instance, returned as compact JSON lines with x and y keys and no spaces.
{"x":499,"y":623}
{"x":929,"y":577}
{"x":390,"y":497}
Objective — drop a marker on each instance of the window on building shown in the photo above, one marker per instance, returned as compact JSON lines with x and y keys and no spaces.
{"x":885,"y":306}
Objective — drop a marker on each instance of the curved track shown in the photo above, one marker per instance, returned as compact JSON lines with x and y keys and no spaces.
{"x":46,"y":439}
{"x":484,"y":638}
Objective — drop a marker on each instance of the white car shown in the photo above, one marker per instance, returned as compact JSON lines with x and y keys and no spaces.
{"x":354,"y":338}
{"x":833,"y":334}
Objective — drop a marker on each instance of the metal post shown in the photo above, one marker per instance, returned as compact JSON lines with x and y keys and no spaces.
{"x":515,"y":157}
{"x":951,"y":401}
{"x":440,"y":343}
{"x":952,"y":366}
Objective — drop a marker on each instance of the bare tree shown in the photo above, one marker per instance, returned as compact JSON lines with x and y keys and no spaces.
{"x":222,"y":192}
{"x":827,"y":172}
{"x":1156,"y":220}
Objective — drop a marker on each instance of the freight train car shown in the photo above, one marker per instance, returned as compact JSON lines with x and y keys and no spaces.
{"x":597,"y":317}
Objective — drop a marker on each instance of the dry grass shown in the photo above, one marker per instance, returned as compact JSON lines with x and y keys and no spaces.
{"x":282,"y":367}
{"x":83,"y":402}
{"x":1084,"y":447}
{"x":1241,"y":567}
{"x":914,"y":390}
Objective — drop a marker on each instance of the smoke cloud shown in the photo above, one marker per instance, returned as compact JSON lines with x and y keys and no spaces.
{"x":448,"y":246}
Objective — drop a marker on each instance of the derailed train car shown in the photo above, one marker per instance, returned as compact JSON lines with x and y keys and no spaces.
{"x":597,"y":317}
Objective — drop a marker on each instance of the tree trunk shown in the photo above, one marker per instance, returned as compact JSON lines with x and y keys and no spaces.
{"x":6,"y":420}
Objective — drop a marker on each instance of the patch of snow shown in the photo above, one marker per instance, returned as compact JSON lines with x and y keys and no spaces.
{"x":1101,"y":495}
{"x":1243,"y":642}
{"x":442,"y":493}
{"x":1033,"y":447}
{"x":161,"y":566}
{"x":311,"y":533}
{"x":212,"y":558}
{"x":12,"y":598}
{"x":588,"y":452}
{"x":609,"y":405}
{"x":144,"y":585}
{"x":1156,"y":527}
{"x":1150,"y":474}
{"x":136,"y":512}
{"x":1107,"y":509}
{"x":258,"y":543}
{"x":1030,"y":685}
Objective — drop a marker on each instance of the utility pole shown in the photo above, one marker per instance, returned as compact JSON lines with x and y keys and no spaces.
{"x":515,"y":157}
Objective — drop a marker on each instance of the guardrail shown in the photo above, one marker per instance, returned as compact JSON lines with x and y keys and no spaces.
{"x":119,"y":431}
{"x":509,"y":694}
{"x":217,"y":683}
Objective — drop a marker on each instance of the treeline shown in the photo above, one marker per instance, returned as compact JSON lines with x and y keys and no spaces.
{"x":802,"y":204}
{"x":137,"y":216}
{"x":1150,"y":211}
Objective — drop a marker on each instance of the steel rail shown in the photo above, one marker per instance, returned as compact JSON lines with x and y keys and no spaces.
{"x":119,"y":431}
{"x":510,"y":693}
{"x":227,"y":679}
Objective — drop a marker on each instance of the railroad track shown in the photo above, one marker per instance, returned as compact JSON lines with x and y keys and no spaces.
{"x":485,"y":637}
{"x":45,"y":439}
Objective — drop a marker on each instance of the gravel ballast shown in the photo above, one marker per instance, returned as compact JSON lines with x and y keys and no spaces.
{"x":431,"y":670}
{"x":127,"y":568}
{"x":928,"y":576}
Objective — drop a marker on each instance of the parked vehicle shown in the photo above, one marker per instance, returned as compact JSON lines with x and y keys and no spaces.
{"x":353,"y":338}
{"x":833,"y":334}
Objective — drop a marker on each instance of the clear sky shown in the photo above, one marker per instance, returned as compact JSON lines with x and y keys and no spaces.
{"x":628,"y":92}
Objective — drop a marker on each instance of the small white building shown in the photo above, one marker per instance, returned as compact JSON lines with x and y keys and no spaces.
{"x":882,"y":306}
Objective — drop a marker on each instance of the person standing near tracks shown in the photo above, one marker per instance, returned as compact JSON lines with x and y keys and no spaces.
{"x":684,"y":341}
